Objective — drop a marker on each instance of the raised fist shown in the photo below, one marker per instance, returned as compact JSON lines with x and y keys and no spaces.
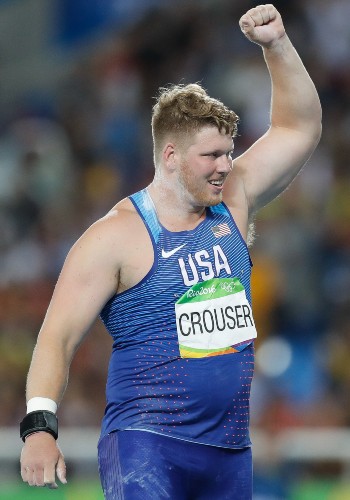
{"x":262,"y":25}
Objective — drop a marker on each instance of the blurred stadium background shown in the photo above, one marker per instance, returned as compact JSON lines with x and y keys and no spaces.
{"x":76,"y":87}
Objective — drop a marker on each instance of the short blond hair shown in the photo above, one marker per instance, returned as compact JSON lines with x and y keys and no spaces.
{"x":182,"y":110}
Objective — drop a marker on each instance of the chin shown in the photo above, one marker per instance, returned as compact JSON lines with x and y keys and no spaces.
{"x":203,"y":197}
{"x":209,"y":201}
{"x":215,"y":199}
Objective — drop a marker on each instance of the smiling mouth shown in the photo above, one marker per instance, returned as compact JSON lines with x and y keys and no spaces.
{"x":217,"y":183}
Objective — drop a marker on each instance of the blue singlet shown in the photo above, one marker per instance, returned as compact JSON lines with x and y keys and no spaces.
{"x":183,"y":355}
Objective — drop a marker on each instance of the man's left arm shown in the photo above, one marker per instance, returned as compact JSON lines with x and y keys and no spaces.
{"x":273,"y":161}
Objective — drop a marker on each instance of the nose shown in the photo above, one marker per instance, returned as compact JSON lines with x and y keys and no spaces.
{"x":224,"y":164}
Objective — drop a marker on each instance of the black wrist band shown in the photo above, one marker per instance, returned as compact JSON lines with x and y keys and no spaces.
{"x":41,"y":420}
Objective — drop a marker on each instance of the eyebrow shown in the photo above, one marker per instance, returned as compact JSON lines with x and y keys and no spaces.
{"x":218,"y":152}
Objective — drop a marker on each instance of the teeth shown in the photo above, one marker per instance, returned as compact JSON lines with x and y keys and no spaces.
{"x":216,"y":183}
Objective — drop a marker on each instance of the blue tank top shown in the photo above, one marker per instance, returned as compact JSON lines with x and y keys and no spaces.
{"x":183,"y":358}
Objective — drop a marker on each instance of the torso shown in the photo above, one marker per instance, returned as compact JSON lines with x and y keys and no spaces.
{"x":161,"y":371}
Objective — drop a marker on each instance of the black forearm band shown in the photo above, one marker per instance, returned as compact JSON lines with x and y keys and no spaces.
{"x":36,"y":421}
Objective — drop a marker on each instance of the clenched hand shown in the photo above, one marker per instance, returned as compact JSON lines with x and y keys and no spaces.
{"x":262,"y":25}
{"x":41,"y":460}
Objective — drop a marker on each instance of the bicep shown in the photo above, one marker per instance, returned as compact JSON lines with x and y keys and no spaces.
{"x":88,"y":279}
{"x":271,"y":163}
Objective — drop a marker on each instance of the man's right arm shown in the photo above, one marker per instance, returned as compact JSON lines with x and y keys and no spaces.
{"x":88,"y":279}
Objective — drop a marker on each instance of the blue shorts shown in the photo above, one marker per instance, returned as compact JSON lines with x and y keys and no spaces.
{"x":142,"y":465}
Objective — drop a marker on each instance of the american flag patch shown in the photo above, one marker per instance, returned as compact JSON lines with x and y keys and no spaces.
{"x":221,"y":230}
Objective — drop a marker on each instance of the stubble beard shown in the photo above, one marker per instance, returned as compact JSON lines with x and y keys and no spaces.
{"x":197,"y":191}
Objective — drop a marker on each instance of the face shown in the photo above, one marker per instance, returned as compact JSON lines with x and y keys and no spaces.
{"x":204,"y":166}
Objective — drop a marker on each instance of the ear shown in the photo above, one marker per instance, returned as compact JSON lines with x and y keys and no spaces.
{"x":169,"y":155}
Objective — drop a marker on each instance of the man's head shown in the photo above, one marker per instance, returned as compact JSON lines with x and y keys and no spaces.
{"x":183,"y":110}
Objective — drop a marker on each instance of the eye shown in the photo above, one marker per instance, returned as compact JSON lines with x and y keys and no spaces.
{"x":213,"y":155}
{"x":218,"y":154}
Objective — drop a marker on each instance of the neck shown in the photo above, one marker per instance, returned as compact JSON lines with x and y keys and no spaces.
{"x":173,"y":210}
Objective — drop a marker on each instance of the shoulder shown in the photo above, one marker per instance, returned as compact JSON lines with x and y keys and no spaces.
{"x":119,"y":218}
{"x":113,"y":244}
{"x":111,"y":233}
{"x":116,"y":221}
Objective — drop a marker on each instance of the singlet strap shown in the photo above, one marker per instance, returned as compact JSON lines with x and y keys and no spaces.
{"x":145,"y":207}
{"x":221,"y":208}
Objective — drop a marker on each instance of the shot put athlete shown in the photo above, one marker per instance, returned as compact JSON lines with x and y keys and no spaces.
{"x":168,"y":271}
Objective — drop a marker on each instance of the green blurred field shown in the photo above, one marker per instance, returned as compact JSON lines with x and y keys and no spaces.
{"x":91,"y":490}
{"x":72,"y":491}
{"x":321,"y":490}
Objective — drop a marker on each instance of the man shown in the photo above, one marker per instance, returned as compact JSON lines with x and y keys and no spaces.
{"x":168,"y":269}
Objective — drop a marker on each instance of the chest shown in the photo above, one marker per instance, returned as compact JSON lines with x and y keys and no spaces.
{"x":186,"y":258}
